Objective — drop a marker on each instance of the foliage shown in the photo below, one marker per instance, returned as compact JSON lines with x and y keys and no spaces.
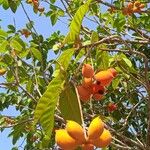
{"x":44,"y":90}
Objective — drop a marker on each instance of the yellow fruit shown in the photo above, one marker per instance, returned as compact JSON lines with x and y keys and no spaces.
{"x":104,"y":77}
{"x":87,"y":71}
{"x":2,"y":71}
{"x":64,"y":140}
{"x":87,"y":147}
{"x":142,"y":6}
{"x":87,"y":82}
{"x":136,"y":10}
{"x":113,"y":71}
{"x":137,"y":4}
{"x":75,"y":131}
{"x":104,"y":140}
{"x":84,"y":93}
{"x":96,"y":128}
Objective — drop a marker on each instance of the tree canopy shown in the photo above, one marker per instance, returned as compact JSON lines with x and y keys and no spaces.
{"x":112,"y":34}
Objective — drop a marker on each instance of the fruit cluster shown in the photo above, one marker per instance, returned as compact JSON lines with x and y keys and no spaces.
{"x":133,"y":7}
{"x":111,"y":107}
{"x":74,"y":136}
{"x":36,"y":5}
{"x":94,"y":84}
{"x":25,"y":32}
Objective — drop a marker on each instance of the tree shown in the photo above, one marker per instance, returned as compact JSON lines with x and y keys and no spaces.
{"x":45,"y":91}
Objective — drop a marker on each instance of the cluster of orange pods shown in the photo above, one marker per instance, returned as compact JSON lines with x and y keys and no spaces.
{"x":36,"y":5}
{"x":93,"y":85}
{"x":74,"y":136}
{"x":133,"y":7}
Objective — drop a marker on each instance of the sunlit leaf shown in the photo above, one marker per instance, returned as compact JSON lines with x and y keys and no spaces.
{"x":36,"y":53}
{"x":64,"y":58}
{"x":69,"y":105}
{"x":45,"y":108}
{"x":44,"y":111}
{"x":75,"y":25}
{"x":3,"y":33}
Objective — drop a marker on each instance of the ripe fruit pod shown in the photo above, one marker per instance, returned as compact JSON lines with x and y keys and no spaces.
{"x":137,"y":4}
{"x":64,"y":140}
{"x":96,"y":128}
{"x":142,"y":6}
{"x":75,"y":131}
{"x":130,"y":5}
{"x":87,"y":147}
{"x":136,"y":10}
{"x":111,"y":107}
{"x":98,"y":89}
{"x":87,"y":82}
{"x":87,"y":71}
{"x":84,"y":93}
{"x":2,"y":71}
{"x":104,"y":140}
{"x":113,"y":71}
{"x":104,"y":77}
{"x":97,"y":97}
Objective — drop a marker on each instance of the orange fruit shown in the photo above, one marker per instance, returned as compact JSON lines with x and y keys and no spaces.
{"x":104,"y":77}
{"x":104,"y":140}
{"x":111,"y":107}
{"x":137,"y":4}
{"x":84,"y":93}
{"x":142,"y":6}
{"x":97,"y":97}
{"x":87,"y":146}
{"x":113,"y":71}
{"x":75,"y":131}
{"x":64,"y":140}
{"x":98,"y":89}
{"x":87,"y":71}
{"x":136,"y":10}
{"x":87,"y":82}
{"x":96,"y":128}
{"x":130,"y":5}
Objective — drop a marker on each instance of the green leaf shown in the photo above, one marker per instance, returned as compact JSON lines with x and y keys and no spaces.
{"x":45,"y":108}
{"x":64,"y":58}
{"x":102,"y":60}
{"x":3,"y":46}
{"x":54,"y":18}
{"x":94,"y":37}
{"x":80,"y":54}
{"x":16,"y":133}
{"x":14,"y":43}
{"x":3,"y":33}
{"x":36,"y":53}
{"x":75,"y":25}
{"x":115,"y":83}
{"x":5,"y":4}
{"x":69,"y":105}
{"x":12,"y":29}
{"x":128,"y":62}
{"x":45,"y":141}
{"x":13,"y":5}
